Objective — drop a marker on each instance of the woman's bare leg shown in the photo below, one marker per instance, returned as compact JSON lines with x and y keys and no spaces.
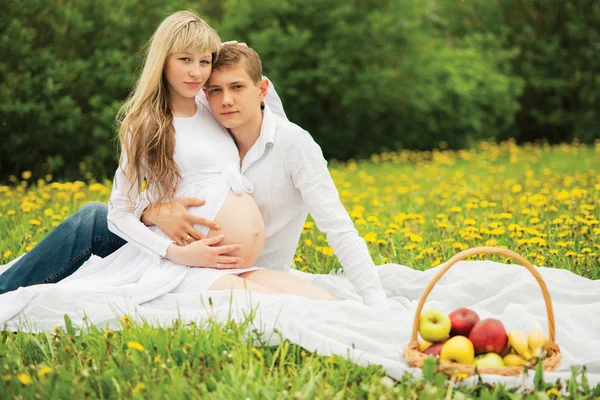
{"x":233,"y":282}
{"x":286,"y":283}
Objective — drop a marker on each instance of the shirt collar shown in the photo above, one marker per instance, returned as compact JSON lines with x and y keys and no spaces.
{"x":265,"y":139}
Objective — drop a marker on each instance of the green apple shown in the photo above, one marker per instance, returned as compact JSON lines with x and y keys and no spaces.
{"x":434,"y":326}
{"x":489,"y":360}
{"x":458,"y":349}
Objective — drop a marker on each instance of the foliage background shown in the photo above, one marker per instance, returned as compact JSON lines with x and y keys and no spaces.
{"x":361,"y":75}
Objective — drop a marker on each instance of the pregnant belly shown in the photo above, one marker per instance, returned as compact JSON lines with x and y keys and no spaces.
{"x":241,"y":222}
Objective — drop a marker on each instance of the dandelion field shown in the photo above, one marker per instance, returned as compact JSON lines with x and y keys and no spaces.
{"x":412,"y":208}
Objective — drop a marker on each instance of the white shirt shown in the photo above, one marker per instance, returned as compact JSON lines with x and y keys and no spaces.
{"x":291,"y":179}
{"x":203,"y":149}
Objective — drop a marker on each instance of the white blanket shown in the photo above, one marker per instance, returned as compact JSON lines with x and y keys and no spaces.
{"x":346,"y":327}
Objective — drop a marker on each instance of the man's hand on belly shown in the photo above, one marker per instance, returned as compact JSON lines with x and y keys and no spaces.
{"x":176,"y":221}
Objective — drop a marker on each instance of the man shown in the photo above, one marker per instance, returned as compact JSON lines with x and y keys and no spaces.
{"x":283,"y":162}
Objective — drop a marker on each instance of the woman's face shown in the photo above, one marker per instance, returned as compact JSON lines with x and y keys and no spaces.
{"x":186,"y":73}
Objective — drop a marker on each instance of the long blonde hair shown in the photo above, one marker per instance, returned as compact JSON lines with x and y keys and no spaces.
{"x":146,"y":132}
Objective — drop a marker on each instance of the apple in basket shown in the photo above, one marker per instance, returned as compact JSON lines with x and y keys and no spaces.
{"x":488,"y":336}
{"x":489,"y":360}
{"x":463,"y":320}
{"x":434,"y":349}
{"x":458,"y":349}
{"x":434,"y":326}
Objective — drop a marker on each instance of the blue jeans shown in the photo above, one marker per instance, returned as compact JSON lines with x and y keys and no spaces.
{"x":64,"y":250}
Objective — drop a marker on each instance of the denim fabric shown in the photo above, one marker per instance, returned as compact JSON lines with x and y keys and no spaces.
{"x":64,"y":250}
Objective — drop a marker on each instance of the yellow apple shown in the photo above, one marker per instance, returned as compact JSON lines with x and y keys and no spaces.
{"x":489,"y":360}
{"x":424,"y":344}
{"x":514,"y":360}
{"x":458,"y":349}
{"x":434,"y":326}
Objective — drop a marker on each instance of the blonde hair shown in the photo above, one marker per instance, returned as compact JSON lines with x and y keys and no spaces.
{"x":146,"y":132}
{"x":233,"y":54}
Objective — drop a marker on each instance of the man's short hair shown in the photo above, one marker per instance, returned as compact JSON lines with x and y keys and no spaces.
{"x":232,"y":54}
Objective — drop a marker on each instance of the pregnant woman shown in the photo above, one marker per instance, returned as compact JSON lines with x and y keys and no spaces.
{"x":173,"y":147}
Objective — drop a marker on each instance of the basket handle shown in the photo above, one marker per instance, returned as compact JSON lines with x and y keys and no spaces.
{"x":488,"y":250}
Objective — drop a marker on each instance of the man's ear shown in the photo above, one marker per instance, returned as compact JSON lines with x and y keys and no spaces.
{"x":263,"y":86}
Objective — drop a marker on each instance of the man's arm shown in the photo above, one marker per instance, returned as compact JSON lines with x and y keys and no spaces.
{"x":310,"y":175}
{"x":123,"y":221}
{"x":175,"y":220}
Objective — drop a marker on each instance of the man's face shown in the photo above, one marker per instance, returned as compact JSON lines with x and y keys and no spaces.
{"x":234,"y":97}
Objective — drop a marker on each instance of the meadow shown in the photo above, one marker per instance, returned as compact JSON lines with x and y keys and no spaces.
{"x":412,"y":208}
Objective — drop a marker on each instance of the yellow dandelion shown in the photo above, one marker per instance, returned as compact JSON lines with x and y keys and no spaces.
{"x":553,"y":392}
{"x":138,"y":388}
{"x":108,"y":333}
{"x":8,"y":253}
{"x":370,"y":237}
{"x":257,"y":353}
{"x":26,"y":175}
{"x":24,"y":378}
{"x":135,"y":346}
{"x":328,"y":251}
{"x":456,"y":209}
{"x":44,"y":371}
{"x":308,"y":242}
{"x":413,"y":237}
{"x":308,"y":224}
{"x":35,"y":222}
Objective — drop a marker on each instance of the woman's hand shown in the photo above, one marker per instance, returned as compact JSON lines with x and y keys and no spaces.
{"x":176,"y":221}
{"x":205,"y":253}
{"x":234,"y":42}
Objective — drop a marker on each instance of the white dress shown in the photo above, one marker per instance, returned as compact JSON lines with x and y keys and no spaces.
{"x":210,"y":166}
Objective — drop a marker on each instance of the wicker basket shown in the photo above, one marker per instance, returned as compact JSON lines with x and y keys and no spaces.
{"x":416,"y":358}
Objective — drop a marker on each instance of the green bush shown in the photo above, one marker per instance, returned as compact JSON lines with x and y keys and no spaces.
{"x":360,"y":75}
{"x":65,"y":72}
{"x":362,"y":78}
{"x":558,"y":59}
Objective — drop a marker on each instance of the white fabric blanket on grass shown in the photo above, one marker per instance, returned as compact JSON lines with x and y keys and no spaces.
{"x":346,"y":327}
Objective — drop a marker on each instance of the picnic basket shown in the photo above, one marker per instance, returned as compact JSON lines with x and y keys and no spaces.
{"x":416,"y":358}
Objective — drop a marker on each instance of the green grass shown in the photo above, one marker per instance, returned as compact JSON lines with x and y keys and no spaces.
{"x":413,"y":208}
{"x":210,"y":360}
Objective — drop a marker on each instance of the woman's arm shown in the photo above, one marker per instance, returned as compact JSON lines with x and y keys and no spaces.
{"x":124,"y":220}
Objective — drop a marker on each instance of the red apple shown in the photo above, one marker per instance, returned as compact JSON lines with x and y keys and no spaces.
{"x":489,"y":336}
{"x":434,"y":349}
{"x":463,"y":320}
